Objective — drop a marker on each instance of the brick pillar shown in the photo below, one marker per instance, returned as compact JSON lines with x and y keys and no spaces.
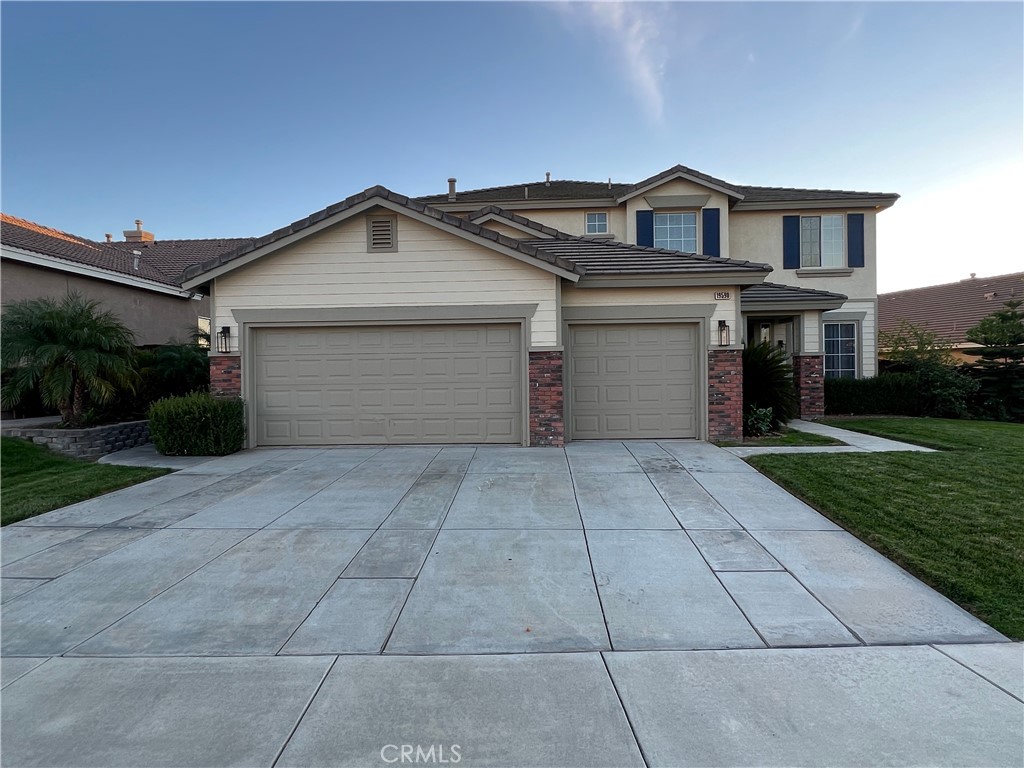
{"x":725,"y":394}
{"x":547,"y":404}
{"x":226,"y":375}
{"x":809,"y":378}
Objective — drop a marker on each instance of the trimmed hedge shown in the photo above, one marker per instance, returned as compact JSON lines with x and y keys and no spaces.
{"x":891,"y":393}
{"x":197,"y":425}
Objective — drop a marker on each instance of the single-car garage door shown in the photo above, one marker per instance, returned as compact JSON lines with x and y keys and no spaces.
{"x":633,"y":381}
{"x":389,"y":384}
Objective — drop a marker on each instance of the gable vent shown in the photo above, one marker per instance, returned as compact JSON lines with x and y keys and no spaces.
{"x":380,"y":233}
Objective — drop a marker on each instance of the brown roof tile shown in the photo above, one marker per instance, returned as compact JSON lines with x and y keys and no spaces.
{"x":949,"y":310}
{"x":162,"y":261}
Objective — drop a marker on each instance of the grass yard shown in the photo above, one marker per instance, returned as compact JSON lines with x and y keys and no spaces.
{"x":954,"y":519}
{"x":786,"y":437}
{"x":33,"y":479}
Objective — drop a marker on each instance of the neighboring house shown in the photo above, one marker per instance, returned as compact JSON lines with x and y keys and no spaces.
{"x":949,"y":310}
{"x":541,"y":312}
{"x":137,"y":279}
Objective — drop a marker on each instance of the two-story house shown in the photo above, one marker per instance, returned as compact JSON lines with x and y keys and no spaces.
{"x":541,"y":312}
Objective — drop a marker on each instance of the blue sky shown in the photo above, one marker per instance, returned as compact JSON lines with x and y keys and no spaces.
{"x":230,"y":119}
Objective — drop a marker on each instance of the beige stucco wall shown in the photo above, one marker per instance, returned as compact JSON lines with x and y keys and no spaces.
{"x":573,"y":296}
{"x":573,"y":220}
{"x":431,"y":267}
{"x":155,"y":318}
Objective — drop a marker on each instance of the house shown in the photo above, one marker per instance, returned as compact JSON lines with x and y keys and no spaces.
{"x":951,"y":309}
{"x":541,"y":312}
{"x":136,"y":278}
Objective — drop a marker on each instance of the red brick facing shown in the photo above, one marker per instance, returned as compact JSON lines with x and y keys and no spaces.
{"x":725,"y":394}
{"x":809,"y":377}
{"x":226,"y":375}
{"x":547,"y":403}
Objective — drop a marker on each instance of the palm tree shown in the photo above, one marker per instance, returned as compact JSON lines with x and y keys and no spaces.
{"x":68,"y":349}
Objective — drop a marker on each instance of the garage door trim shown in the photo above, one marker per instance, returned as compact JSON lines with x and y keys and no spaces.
{"x":695,"y":314}
{"x":250,"y":321}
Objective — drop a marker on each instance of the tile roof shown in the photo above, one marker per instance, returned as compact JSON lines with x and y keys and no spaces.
{"x":162,"y":260}
{"x":607,"y":257}
{"x":776,"y":293}
{"x":556,"y":189}
{"x":600,"y":190}
{"x":949,"y":310}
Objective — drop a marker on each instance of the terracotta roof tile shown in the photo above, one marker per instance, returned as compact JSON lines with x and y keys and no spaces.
{"x":949,"y":310}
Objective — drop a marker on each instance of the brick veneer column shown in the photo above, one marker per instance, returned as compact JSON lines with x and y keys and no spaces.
{"x":226,"y":375}
{"x":547,"y":403}
{"x":725,"y":394}
{"x":809,"y":378}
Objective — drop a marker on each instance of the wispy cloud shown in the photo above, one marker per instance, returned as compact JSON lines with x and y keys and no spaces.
{"x":633,"y":32}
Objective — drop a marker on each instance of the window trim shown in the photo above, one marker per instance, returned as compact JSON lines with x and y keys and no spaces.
{"x":698,"y":236}
{"x":857,"y":346}
{"x":392,"y":220}
{"x":844,"y":240}
{"x":586,"y":223}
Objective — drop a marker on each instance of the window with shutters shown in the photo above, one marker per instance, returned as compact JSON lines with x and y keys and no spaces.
{"x":382,"y":233}
{"x":821,"y":241}
{"x":676,"y":231}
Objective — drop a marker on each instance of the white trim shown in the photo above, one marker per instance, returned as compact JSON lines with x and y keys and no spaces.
{"x":97,"y":273}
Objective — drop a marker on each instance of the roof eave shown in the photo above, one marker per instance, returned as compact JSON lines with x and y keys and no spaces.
{"x":796,"y":305}
{"x":877,"y":203}
{"x":672,"y":279}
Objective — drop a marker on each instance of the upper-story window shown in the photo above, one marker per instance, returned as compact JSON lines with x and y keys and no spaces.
{"x":821,"y":241}
{"x":597,"y":223}
{"x":676,"y":231}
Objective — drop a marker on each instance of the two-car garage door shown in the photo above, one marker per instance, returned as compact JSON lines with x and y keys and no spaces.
{"x":388,"y":384}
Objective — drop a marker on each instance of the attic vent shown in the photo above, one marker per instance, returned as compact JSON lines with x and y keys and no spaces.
{"x":381,"y":233}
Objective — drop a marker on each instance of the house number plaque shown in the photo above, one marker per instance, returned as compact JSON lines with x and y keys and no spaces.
{"x":723,"y":295}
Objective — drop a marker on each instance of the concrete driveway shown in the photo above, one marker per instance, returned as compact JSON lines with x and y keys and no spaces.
{"x":609,"y":604}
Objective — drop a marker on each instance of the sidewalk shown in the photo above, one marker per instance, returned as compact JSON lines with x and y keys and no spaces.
{"x":856,"y":442}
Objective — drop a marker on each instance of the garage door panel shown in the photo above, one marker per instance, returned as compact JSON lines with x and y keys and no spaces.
{"x":401,"y":384}
{"x":633,"y":380}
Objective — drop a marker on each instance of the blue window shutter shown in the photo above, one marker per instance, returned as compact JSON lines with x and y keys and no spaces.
{"x":712,"y":232}
{"x":791,"y":242}
{"x":645,"y":228}
{"x":855,"y":239}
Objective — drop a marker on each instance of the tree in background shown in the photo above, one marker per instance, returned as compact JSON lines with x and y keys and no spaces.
{"x":910,"y":345}
{"x":1000,"y":369}
{"x":69,"y":350}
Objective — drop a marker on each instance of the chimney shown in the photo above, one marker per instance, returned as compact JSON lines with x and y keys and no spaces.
{"x":138,"y":235}
{"x":451,"y":189}
{"x":547,"y":179}
{"x":110,"y":237}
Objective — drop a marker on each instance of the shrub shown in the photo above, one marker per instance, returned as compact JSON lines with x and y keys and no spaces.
{"x":758,"y":422}
{"x":197,"y":425}
{"x":768,"y":383}
{"x":929,"y":390}
{"x":999,"y":370}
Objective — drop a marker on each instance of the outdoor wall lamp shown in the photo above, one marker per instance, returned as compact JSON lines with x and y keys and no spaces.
{"x":224,"y":339}
{"x":723,"y":333}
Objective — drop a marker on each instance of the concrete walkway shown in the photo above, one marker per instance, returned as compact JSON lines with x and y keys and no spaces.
{"x":615,"y":604}
{"x":855,"y":442}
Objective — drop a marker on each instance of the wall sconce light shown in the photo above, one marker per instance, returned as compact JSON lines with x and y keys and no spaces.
{"x":723,"y":333}
{"x":224,"y":339}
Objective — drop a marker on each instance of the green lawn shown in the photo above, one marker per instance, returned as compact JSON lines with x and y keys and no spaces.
{"x":786,"y":437}
{"x":955,"y":519}
{"x":34,"y":480}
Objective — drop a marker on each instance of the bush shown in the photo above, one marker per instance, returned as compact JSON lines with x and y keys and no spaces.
{"x":768,"y":383}
{"x":197,"y":425}
{"x":929,"y":390}
{"x":758,"y":422}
